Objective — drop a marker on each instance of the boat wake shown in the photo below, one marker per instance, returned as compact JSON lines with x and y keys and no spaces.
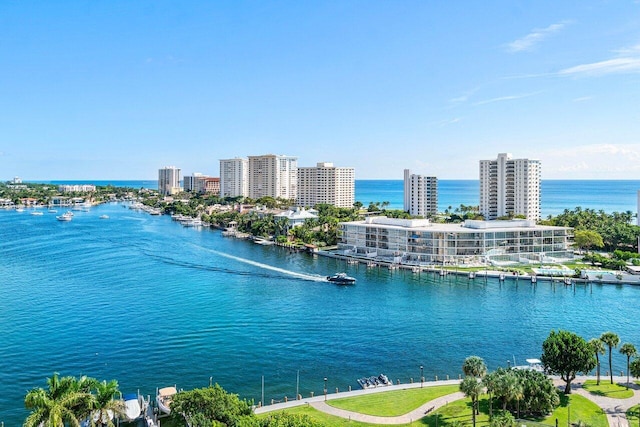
{"x":303,"y":276}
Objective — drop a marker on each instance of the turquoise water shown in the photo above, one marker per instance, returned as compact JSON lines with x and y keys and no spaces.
{"x":555,"y":197}
{"x":143,"y":300}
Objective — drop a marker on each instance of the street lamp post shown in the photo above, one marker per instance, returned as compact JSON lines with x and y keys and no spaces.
{"x":325,"y":388}
{"x":421,"y":375}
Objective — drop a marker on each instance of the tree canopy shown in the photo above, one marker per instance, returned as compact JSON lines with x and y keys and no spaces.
{"x":565,"y":353}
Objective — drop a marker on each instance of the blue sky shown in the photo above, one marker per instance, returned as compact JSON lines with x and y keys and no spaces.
{"x":118,"y":89}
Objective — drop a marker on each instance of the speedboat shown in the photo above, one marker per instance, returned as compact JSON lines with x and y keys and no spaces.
{"x":341,"y":279}
{"x":133,"y":406}
{"x":37,"y":213}
{"x":164,"y":397}
{"x":104,"y":217}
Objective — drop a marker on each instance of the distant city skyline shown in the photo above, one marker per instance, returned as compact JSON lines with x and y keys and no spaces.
{"x":115,"y":91}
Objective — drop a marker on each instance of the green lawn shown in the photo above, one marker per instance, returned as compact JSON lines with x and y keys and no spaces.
{"x":581,"y":409}
{"x":459,"y":412}
{"x":392,"y":403}
{"x":456,"y":412}
{"x":615,"y":391}
{"x":632,"y":415}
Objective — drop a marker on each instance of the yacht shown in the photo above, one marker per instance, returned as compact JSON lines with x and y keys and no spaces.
{"x":67,"y":216}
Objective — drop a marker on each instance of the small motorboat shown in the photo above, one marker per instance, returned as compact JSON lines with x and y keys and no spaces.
{"x":164,"y":397}
{"x":133,"y":406}
{"x":104,"y":216}
{"x":341,"y":279}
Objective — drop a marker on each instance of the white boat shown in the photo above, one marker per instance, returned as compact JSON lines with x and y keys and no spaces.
{"x":164,"y":397}
{"x":36,"y":213}
{"x":262,"y":241}
{"x":19,"y":209}
{"x":53,"y":211}
{"x":104,"y":216}
{"x":64,"y":217}
{"x":191,"y":222}
{"x":532,"y":365}
{"x":133,"y":406}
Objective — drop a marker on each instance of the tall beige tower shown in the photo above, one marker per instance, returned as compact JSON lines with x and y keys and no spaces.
{"x":274,"y":176}
{"x":326,"y":183}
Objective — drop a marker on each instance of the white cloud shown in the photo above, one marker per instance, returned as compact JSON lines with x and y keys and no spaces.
{"x":597,"y":161}
{"x":628,"y":61}
{"x":506,"y":98}
{"x":583,"y":99}
{"x":617,"y":65}
{"x":450,"y":122}
{"x":529,"y":41}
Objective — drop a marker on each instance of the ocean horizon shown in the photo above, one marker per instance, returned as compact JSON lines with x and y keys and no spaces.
{"x":556,"y":195}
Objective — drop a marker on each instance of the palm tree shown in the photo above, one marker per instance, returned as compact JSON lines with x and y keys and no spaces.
{"x":61,"y":403}
{"x":472,"y":388}
{"x":490,"y":382}
{"x":598,"y":348}
{"x":628,"y":350}
{"x":512,"y":389}
{"x":103,"y":406}
{"x":474,"y":366}
{"x":611,"y":340}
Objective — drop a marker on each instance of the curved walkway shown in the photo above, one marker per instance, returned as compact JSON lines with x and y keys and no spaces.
{"x":615,"y":409}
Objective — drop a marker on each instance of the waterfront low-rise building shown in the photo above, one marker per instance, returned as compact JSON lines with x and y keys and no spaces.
{"x":76,"y":188}
{"x":419,"y":241}
{"x":296,"y":217}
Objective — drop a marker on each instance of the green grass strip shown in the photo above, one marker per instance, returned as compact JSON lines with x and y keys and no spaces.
{"x":614,"y":391}
{"x":392,"y":403}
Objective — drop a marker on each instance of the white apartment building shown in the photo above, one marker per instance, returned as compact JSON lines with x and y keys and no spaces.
{"x":76,"y":188}
{"x":273,"y":176}
{"x":510,"y":187}
{"x":418,"y":241}
{"x":327,"y":184}
{"x":169,"y":180}
{"x":234,"y":177}
{"x":420,"y":194}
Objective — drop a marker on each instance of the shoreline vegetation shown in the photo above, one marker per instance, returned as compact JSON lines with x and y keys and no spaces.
{"x":606,"y":242}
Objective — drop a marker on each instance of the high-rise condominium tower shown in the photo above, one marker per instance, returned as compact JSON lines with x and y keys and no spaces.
{"x":420,"y":194}
{"x":169,"y":180}
{"x":274,"y":176}
{"x":326,"y":183}
{"x":234,"y":177}
{"x":510,"y":187}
